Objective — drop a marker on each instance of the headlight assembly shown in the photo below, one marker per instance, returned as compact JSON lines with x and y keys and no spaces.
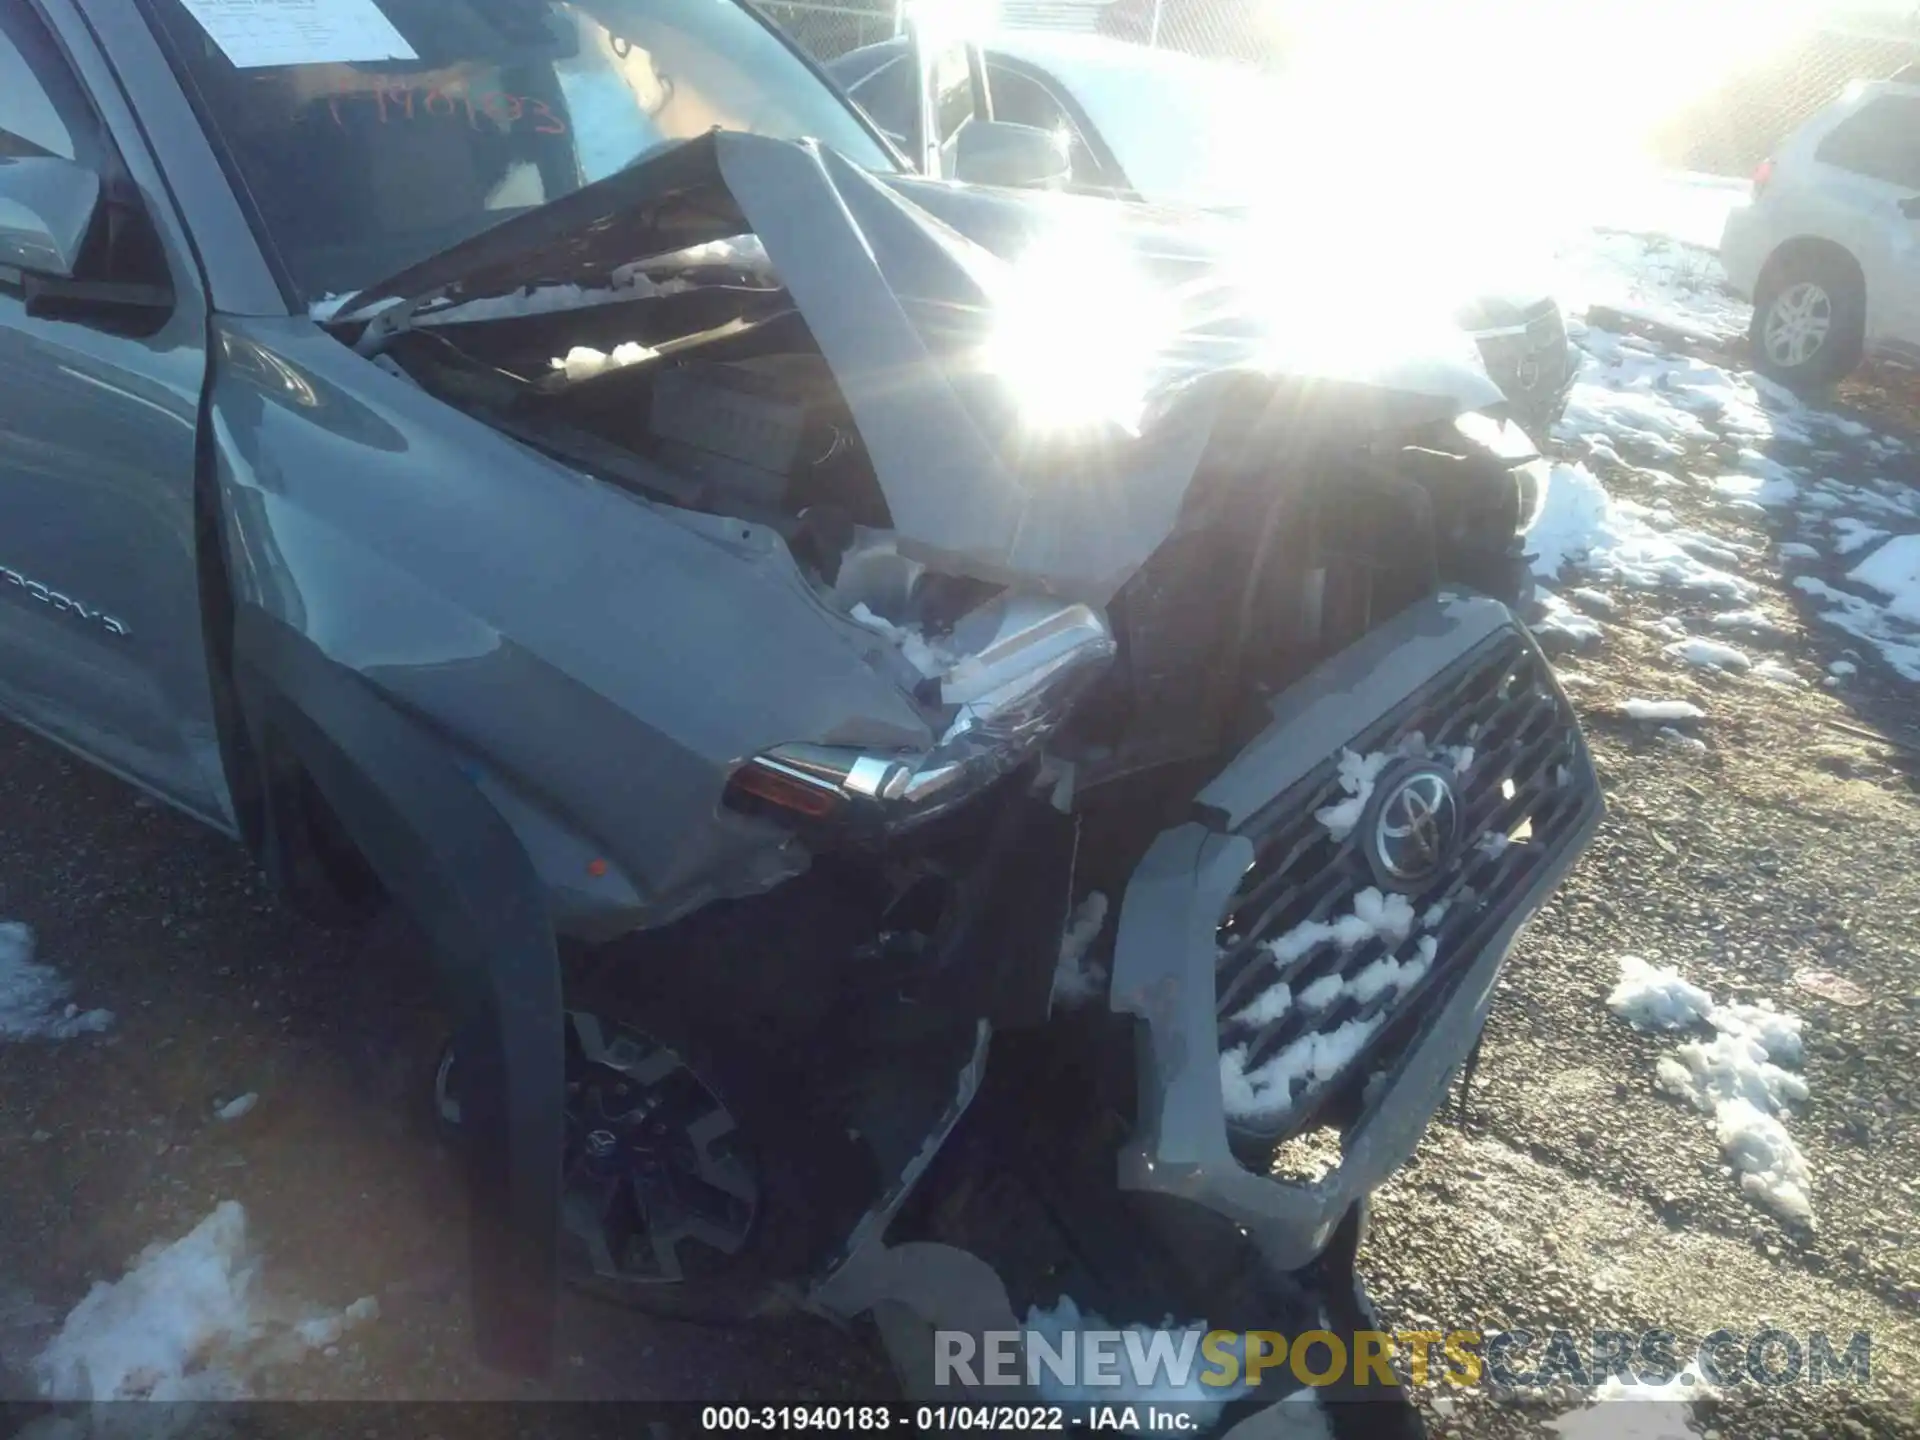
{"x":1021,"y":663}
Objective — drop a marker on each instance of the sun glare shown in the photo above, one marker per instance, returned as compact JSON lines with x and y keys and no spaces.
{"x":1078,"y":331}
{"x":1419,"y":111}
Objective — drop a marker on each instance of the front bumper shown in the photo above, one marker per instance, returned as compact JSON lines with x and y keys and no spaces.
{"x":1534,"y":365}
{"x":1168,"y":964}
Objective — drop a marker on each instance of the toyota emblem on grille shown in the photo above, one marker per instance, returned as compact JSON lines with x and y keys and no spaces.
{"x":1416,"y":821}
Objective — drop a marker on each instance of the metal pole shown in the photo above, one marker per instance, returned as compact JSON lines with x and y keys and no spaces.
{"x":1153,"y":36}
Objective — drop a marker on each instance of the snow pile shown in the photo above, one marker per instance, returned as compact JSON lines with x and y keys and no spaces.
{"x":1153,"y":1351}
{"x":1358,"y":774}
{"x":1075,"y":982}
{"x":1738,"y":1078}
{"x":1583,"y":528}
{"x":33,"y":997}
{"x":1776,"y":673}
{"x":1708,"y":654}
{"x":187,"y":1322}
{"x":1667,"y":710}
{"x":1652,"y":997}
{"x":583,"y":362}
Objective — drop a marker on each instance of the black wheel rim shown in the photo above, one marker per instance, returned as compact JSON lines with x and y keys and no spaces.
{"x":658,"y":1187}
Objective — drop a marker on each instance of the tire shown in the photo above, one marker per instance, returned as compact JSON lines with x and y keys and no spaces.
{"x":1809,"y":322}
{"x":808,"y":1179}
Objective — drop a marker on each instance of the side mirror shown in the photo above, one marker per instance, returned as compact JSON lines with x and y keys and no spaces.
{"x":999,"y":152}
{"x":47,"y":207}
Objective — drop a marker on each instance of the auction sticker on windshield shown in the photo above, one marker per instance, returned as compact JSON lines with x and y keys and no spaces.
{"x":257,"y":33}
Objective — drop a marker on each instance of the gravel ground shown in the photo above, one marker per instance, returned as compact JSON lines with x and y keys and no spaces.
{"x":1757,"y":849}
{"x":1575,"y":1195}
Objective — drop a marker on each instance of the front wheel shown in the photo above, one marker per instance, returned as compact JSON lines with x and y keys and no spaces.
{"x":685,"y":1173}
{"x":1809,"y":322}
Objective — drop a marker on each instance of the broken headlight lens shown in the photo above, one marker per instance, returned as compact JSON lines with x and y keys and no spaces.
{"x":1017,"y":665}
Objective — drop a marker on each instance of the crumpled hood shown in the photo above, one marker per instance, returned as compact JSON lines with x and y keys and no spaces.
{"x":902,"y":283}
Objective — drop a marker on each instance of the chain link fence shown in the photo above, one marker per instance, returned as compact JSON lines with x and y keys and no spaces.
{"x":1734,"y":127}
{"x":829,"y":30}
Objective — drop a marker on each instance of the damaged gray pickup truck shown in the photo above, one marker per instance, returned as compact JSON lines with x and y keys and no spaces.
{"x":551,"y":467}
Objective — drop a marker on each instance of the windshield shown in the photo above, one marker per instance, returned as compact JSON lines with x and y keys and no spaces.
{"x":386,"y":130}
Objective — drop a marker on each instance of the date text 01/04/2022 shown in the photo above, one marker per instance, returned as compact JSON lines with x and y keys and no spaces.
{"x":1169,"y":1419}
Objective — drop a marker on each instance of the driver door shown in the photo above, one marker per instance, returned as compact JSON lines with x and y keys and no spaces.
{"x":102,"y":356}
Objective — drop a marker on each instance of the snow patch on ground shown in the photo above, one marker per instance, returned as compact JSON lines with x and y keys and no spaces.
{"x":235,"y":1108}
{"x":1898,"y":643}
{"x":1661,"y":1413}
{"x":1639,"y":709}
{"x":189,"y":1321}
{"x":1560,"y":618}
{"x":1894,"y":571}
{"x":1708,"y":654}
{"x":1582,"y":528}
{"x":1751,"y":619}
{"x":1777,"y":673}
{"x":1654,"y":997}
{"x":33,"y":997}
{"x":1739,"y":1078}
{"x":1850,"y":535}
{"x":1075,"y":981}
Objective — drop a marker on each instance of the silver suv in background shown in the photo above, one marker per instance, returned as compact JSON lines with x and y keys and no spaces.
{"x":1829,"y":248}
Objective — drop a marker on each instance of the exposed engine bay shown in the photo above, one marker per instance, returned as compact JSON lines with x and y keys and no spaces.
{"x":697,"y":383}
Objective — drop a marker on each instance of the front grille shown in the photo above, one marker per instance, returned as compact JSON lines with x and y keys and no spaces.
{"x":1528,"y":779}
{"x":1529,"y":360}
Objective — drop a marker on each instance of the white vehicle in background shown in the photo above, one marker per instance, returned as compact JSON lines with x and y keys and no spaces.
{"x":1174,"y":130}
{"x":1829,"y":248}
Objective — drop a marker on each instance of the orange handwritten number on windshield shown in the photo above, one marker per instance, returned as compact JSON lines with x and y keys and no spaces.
{"x":554,"y":124}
